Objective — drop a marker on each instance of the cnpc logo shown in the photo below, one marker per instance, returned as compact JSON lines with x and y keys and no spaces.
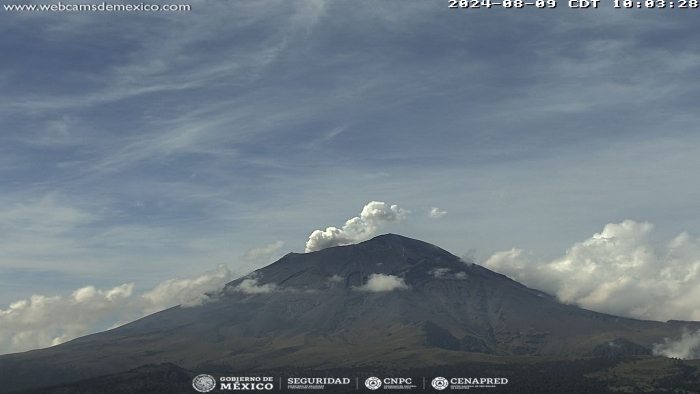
{"x":374,"y":382}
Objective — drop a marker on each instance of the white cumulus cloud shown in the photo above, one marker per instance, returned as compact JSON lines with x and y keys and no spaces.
{"x":436,"y":213}
{"x":357,"y":229}
{"x":42,"y":321}
{"x":335,"y":279}
{"x":250,"y":286}
{"x":439,"y":272}
{"x":187,"y":292}
{"x":622,"y":271}
{"x":380,"y":283}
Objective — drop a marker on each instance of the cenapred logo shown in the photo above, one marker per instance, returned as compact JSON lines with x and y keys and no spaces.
{"x":440,"y":383}
{"x":204,"y":383}
{"x":373,"y":383}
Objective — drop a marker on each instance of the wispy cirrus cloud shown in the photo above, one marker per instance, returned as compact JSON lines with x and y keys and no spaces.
{"x":263,"y":252}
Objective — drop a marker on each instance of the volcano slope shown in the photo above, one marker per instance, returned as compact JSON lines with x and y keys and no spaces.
{"x":390,"y":301}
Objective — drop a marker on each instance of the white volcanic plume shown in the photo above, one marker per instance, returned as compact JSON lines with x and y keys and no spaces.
{"x":687,"y":347}
{"x":357,"y":229}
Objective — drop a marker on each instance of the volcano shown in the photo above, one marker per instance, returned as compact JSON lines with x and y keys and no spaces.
{"x":391,"y":301}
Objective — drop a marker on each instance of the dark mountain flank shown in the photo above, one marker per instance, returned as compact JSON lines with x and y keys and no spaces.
{"x":326,"y":310}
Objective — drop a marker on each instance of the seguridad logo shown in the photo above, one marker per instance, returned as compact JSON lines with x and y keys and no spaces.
{"x":315,"y":383}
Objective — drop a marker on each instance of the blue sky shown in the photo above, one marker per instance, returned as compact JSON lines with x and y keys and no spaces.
{"x":139,"y":147}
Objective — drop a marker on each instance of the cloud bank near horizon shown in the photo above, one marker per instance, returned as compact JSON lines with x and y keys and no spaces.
{"x":358,"y":229}
{"x":621,"y":271}
{"x":41,"y":321}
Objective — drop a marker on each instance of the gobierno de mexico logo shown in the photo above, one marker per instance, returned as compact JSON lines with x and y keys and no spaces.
{"x":204,"y":383}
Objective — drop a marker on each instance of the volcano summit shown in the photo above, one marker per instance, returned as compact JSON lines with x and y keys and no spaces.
{"x":390,"y":301}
